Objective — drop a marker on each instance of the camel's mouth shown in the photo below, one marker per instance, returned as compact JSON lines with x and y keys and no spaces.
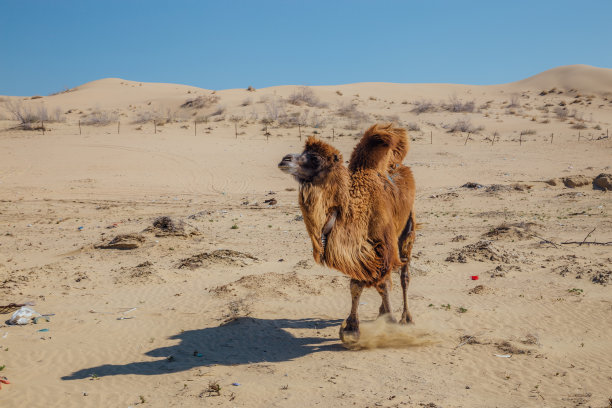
{"x":288,"y":164}
{"x":327,"y":228}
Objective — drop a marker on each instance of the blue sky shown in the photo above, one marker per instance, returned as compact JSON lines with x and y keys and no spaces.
{"x":46,"y":46}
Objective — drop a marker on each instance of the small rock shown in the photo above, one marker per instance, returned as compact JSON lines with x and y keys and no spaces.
{"x":576,"y":181}
{"x":603,"y":181}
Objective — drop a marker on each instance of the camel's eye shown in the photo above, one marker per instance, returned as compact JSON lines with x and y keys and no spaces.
{"x":313,"y":160}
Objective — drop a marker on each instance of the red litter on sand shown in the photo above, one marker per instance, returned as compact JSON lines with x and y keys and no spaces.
{"x":474,"y":277}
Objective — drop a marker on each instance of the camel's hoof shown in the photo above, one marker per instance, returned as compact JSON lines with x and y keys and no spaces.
{"x":406,"y":320}
{"x":349,"y":334}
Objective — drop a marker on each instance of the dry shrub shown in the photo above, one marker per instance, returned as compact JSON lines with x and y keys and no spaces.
{"x":200,"y":102}
{"x":423,"y":106}
{"x":100,"y":118}
{"x":355,"y":117}
{"x":413,"y":126}
{"x":463,"y":125}
{"x":305,"y":96}
{"x":456,"y":105}
{"x":514,"y":102}
{"x":28,"y":118}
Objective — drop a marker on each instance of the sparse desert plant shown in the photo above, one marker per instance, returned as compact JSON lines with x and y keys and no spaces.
{"x":237,"y":309}
{"x":456,"y":105}
{"x":246,"y":102}
{"x":275,"y":108}
{"x":579,"y":125}
{"x":413,"y":126}
{"x":339,"y":93}
{"x":316,"y":121}
{"x":394,"y":119}
{"x":463,"y":125}
{"x":355,"y":117}
{"x":203,"y":101}
{"x":250,"y":89}
{"x":597,"y":127}
{"x":305,"y":96}
{"x":28,"y":118}
{"x":100,"y":118}
{"x":423,"y":106}
{"x":528,"y":132}
{"x":218,"y":111}
{"x":514,"y":102}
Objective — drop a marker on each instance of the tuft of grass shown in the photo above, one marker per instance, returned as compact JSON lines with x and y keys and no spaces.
{"x":235,"y":226}
{"x":213,"y":389}
{"x":462,"y":309}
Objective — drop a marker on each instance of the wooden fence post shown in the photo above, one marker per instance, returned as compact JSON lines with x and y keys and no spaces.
{"x":431,"y":137}
{"x":300,"y":130}
{"x":42,"y":125}
{"x":79,"y":126}
{"x":236,"y":129}
{"x":155,"y":126}
{"x":118,"y":126}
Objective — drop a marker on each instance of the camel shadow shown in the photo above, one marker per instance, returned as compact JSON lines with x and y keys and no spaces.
{"x":243,"y":341}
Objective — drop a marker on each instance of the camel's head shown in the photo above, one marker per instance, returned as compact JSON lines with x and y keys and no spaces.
{"x":314,"y":163}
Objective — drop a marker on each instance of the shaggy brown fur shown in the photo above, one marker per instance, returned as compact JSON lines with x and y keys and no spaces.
{"x":360,"y":220}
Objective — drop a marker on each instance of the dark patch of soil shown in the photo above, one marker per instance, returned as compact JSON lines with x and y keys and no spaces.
{"x":596,"y":272}
{"x":508,"y":348}
{"x":124,"y":242}
{"x":576,"y":181}
{"x":603,"y":181}
{"x":220,"y":256}
{"x":478,"y":290}
{"x":167,"y":226}
{"x":500,"y":270}
{"x":518,"y":231}
{"x":481,"y":251}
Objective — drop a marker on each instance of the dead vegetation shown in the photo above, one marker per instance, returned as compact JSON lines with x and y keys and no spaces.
{"x":31,"y":118}
{"x":305,"y":96}
{"x":169,"y":226}
{"x":482,"y":251}
{"x":220,"y":256}
{"x":123,"y":241}
{"x":201,"y":102}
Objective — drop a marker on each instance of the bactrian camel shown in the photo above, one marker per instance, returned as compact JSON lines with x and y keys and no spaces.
{"x":361,"y":218}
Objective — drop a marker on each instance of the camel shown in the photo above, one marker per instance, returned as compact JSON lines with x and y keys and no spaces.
{"x":360,"y":219}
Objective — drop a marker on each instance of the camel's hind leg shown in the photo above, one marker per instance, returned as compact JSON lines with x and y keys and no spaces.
{"x":406,"y":243}
{"x":349,"y":331}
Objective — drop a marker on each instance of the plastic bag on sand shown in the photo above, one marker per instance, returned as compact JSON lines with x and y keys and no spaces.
{"x":23,"y":316}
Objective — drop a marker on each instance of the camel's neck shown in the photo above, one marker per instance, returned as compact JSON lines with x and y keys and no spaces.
{"x":319,"y":200}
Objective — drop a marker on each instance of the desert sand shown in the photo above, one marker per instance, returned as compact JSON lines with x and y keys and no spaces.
{"x":222,"y":304}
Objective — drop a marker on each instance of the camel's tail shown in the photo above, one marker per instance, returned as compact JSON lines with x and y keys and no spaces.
{"x":372,"y":150}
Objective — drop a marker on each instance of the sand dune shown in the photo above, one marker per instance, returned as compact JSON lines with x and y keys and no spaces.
{"x":231,"y":297}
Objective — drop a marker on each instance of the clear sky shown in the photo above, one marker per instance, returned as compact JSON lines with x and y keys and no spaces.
{"x":49,"y":45}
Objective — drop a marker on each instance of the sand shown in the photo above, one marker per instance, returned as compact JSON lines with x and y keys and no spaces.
{"x":228,"y":308}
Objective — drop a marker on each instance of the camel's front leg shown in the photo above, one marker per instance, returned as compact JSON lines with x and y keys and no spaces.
{"x":349,"y":331}
{"x":384,"y":292}
{"x":405,"y":279}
